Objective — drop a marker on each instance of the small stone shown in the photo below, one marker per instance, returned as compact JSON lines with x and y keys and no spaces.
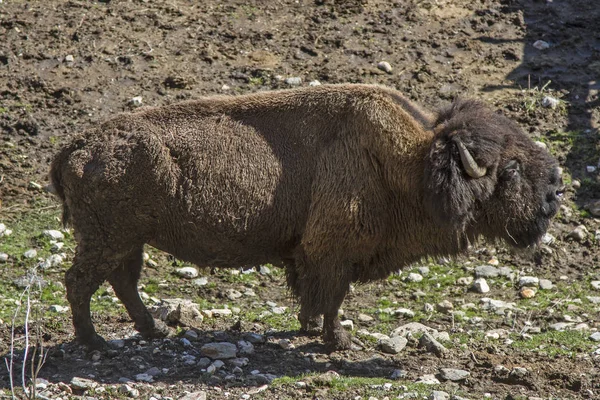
{"x":56,"y":247}
{"x":193,"y":396}
{"x":530,"y":281}
{"x":546,"y":284}
{"x":595,"y":336}
{"x":286,"y":344}
{"x":414,"y":277}
{"x":190,"y":335}
{"x":493,"y":261}
{"x":486,"y":271}
{"x":541,"y":45}
{"x":220,"y":350}
{"x":129,"y":391}
{"x":481,"y":286}
{"x":31,"y":253}
{"x":294,"y":81}
{"x":595,"y":284}
{"x":82,"y":383}
{"x":590,"y":169}
{"x":144,"y":378}
{"x":245,"y":347}
{"x":548,"y":239}
{"x":34,"y":186}
{"x":364,"y":318}
{"x":3,"y":257}
{"x":225,"y":88}
{"x":439,"y":395}
{"x":428,"y":308}
{"x":541,"y":145}
{"x":54,"y":260}
{"x":348,"y":324}
{"x":579,"y":233}
{"x":593,"y":207}
{"x":431,"y":344}
{"x":428,"y":379}
{"x":69,"y":58}
{"x":451,"y":374}
{"x":255,"y":338}
{"x":423,"y":271}
{"x":527,"y":293}
{"x":314,"y":83}
{"x":202,"y":281}
{"x":136,"y":101}
{"x":58,"y":309}
{"x":221,"y":312}
{"x":445,"y":306}
{"x":519,"y":372}
{"x":178,"y":311}
{"x":393,"y":345}
{"x":560,"y":326}
{"x":593,"y":299}
{"x":232,"y":294}
{"x":404,"y":312}
{"x":2,"y":229}
{"x":54,"y":234}
{"x":399,"y":374}
{"x":278,"y":310}
{"x":385,"y":66}
{"x":550,"y":102}
{"x":465,"y":280}
{"x":187,"y":272}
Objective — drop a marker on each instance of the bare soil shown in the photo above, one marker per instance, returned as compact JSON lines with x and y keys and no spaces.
{"x":66,"y":65}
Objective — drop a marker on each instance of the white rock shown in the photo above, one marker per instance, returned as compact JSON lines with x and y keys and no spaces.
{"x":31,"y":253}
{"x":202,"y":281}
{"x":385,"y":66}
{"x":393,"y":345}
{"x":590,"y":169}
{"x":136,"y":101}
{"x":294,"y":81}
{"x":314,"y":83}
{"x":69,"y":58}
{"x":405,"y":312}
{"x":595,"y":284}
{"x":414,"y":277}
{"x":546,"y":284}
{"x":58,"y":308}
{"x":481,"y":286}
{"x":541,"y":45}
{"x":530,"y":281}
{"x":286,"y":344}
{"x":54,"y":234}
{"x":595,"y":336}
{"x":348,"y":324}
{"x":3,"y":257}
{"x":428,"y":379}
{"x":187,"y":272}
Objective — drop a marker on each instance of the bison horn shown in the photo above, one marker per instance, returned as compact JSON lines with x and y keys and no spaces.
{"x":470,"y":165}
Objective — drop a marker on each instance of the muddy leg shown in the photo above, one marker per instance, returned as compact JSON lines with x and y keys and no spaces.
{"x":334,"y":334}
{"x":124,"y":281}
{"x":309,"y":324}
{"x":82,"y":280}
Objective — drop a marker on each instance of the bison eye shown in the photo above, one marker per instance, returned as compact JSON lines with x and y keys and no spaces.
{"x":511,"y":169}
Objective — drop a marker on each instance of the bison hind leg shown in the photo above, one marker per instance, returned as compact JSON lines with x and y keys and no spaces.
{"x":124,"y":280}
{"x":311,"y":322}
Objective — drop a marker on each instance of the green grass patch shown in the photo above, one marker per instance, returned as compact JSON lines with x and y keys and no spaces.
{"x":554,"y":343}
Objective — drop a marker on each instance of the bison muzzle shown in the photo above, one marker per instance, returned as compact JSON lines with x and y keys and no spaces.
{"x":336,"y":184}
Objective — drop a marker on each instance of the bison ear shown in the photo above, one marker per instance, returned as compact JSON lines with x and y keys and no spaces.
{"x":454,"y":183}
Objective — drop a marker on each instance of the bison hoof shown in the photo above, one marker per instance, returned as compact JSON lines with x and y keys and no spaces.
{"x":339,"y":339}
{"x":95,"y":342}
{"x":312,"y":326}
{"x":158,"y":331}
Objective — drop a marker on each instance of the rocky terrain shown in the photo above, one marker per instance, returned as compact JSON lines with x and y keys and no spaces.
{"x":493,"y":324}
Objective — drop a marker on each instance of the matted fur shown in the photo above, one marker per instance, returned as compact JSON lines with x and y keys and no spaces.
{"x":338,"y":183}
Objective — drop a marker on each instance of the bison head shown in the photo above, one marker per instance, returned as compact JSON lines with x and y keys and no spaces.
{"x":484,"y":176}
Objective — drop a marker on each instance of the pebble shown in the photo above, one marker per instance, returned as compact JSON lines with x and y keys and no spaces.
{"x":481,"y":286}
{"x":31,"y":253}
{"x":144,"y":378}
{"x":431,"y":344}
{"x":428,"y":379}
{"x":255,"y":338}
{"x":278,"y":310}
{"x":590,"y":169}
{"x":541,"y":45}
{"x":404,"y":312}
{"x":2,"y":229}
{"x":439,"y":395}
{"x":190,"y":335}
{"x":593,"y":207}
{"x":595,"y":336}
{"x":465,"y":280}
{"x":314,"y":83}
{"x":136,"y":101}
{"x":451,"y":374}
{"x":187,"y":272}
{"x":69,"y":58}
{"x":58,"y":309}
{"x":54,"y":234}
{"x":594,"y":299}
{"x":393,"y":345}
{"x":232,"y":294}
{"x":531,"y":281}
{"x":550,"y":102}
{"x":423,"y":271}
{"x":129,"y":391}
{"x":294,"y":81}
{"x":35,"y":186}
{"x":3,"y":257}
{"x":414,"y":277}
{"x":348,"y":324}
{"x":546,"y":284}
{"x":364,"y":318}
{"x":595,"y":284}
{"x":579,"y":233}
{"x":54,"y":260}
{"x":56,"y":247}
{"x":154,"y":371}
{"x":220,"y":350}
{"x":399,"y":374}
{"x":519,"y":372}
{"x":445,"y":306}
{"x":221,"y":312}
{"x":286,"y":344}
{"x":193,"y":396}
{"x":548,"y":239}
{"x":527,"y":293}
{"x":486,"y":271}
{"x":560,"y":326}
{"x":495,"y":305}
{"x":245,"y":347}
{"x":385,"y":66}
{"x":202,"y":281}
{"x":82,"y":383}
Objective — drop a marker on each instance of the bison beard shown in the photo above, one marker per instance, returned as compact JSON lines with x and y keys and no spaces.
{"x":337,"y":184}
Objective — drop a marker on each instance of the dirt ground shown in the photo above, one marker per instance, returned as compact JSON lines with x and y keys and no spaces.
{"x":66,"y":65}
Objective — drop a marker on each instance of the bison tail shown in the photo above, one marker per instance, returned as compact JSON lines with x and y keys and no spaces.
{"x":56,"y":186}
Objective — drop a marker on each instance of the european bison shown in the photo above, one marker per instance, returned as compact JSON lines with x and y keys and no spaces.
{"x":337,"y":184}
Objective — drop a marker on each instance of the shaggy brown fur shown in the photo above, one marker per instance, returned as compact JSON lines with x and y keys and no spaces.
{"x":338,"y":183}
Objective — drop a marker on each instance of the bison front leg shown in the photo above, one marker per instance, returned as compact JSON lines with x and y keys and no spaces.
{"x":124,"y":281}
